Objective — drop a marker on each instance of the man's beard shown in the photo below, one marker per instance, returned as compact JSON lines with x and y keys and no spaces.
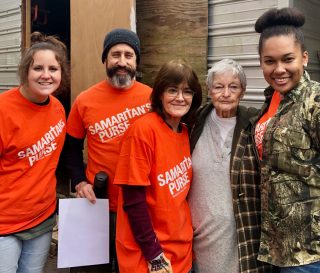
{"x":118,"y":80}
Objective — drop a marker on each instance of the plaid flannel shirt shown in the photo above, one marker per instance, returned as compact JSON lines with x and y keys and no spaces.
{"x":245,"y":184}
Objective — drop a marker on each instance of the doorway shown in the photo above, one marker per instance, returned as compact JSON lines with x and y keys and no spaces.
{"x":53,"y":18}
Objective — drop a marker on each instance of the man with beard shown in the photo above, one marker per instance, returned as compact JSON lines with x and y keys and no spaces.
{"x":102,"y":113}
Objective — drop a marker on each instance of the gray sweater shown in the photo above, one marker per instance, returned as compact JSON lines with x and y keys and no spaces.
{"x":210,"y":199}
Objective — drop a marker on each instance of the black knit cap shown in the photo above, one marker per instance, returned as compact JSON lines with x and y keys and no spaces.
{"x":121,"y":36}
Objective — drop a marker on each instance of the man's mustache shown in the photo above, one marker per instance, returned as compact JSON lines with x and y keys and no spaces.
{"x":112,"y":71}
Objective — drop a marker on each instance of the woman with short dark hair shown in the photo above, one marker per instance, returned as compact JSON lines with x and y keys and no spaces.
{"x":154,"y":232}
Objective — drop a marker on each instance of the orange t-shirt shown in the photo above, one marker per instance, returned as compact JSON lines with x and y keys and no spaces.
{"x":154,"y":156}
{"x":31,"y":139}
{"x":262,"y":124}
{"x":102,"y":114}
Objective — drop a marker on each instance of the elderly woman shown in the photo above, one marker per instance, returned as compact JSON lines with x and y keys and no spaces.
{"x":224,"y":198}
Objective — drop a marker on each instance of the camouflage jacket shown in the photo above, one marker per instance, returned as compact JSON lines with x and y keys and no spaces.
{"x":290,"y":173}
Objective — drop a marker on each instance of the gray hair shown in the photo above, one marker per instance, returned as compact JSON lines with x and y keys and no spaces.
{"x":227,"y":65}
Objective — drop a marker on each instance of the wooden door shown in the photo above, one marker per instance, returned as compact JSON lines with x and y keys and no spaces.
{"x":90,"y":21}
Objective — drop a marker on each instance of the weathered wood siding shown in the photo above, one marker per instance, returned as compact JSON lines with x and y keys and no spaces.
{"x":172,"y":29}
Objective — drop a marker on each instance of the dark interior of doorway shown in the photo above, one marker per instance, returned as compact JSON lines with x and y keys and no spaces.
{"x":53,"y":18}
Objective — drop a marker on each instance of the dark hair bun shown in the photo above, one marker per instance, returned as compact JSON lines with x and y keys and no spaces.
{"x":277,"y":17}
{"x":37,"y":37}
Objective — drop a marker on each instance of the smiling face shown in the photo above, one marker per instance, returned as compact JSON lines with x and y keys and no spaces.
{"x":121,"y":64}
{"x":225,"y":93}
{"x":282,"y":62}
{"x":176,"y":104}
{"x":44,"y":77}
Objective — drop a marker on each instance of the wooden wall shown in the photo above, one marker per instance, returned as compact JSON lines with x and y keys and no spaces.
{"x":90,"y":21}
{"x":172,"y":29}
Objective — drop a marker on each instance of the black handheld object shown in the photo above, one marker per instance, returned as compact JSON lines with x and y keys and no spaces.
{"x":100,"y":185}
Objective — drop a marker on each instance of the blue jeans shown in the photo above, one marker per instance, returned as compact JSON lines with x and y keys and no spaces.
{"x":308,"y":268}
{"x":24,"y":256}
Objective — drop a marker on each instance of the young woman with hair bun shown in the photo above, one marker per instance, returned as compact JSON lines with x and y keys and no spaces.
{"x":288,"y":143}
{"x":32,"y":132}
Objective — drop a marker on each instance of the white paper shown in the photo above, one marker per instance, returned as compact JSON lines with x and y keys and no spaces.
{"x":83,"y":234}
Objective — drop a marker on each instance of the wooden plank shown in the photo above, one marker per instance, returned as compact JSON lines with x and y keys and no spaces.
{"x":170,"y":29}
{"x":26,"y":22}
{"x":90,"y":21}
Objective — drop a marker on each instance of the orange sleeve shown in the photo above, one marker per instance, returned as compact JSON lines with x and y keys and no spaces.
{"x":1,"y":146}
{"x":134,"y":163}
{"x":2,"y":133}
{"x":75,"y":126}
